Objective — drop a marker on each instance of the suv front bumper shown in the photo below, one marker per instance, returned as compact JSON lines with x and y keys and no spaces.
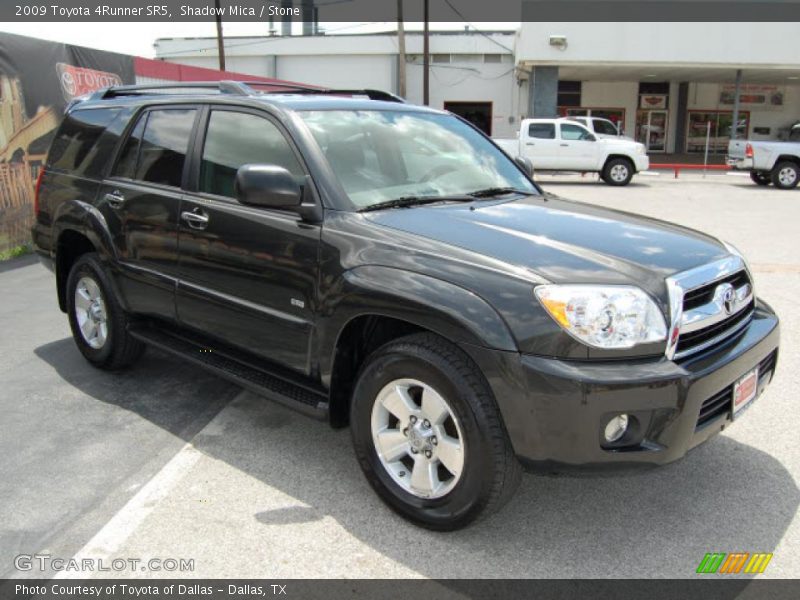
{"x":560,"y":408}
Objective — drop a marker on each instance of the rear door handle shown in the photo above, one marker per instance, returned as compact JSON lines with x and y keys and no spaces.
{"x":195,"y":220}
{"x":530,"y":143}
{"x":115,"y":199}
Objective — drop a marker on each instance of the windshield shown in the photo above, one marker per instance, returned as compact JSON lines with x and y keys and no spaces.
{"x":384,"y":155}
{"x":794,"y":136}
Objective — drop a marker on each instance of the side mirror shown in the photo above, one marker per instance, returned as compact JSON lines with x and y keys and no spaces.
{"x":590,"y":138}
{"x":269,"y":186}
{"x":524,"y":163}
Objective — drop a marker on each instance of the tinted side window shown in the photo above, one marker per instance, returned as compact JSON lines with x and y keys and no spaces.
{"x":126,"y":165}
{"x":574,"y":132}
{"x":545,"y":131}
{"x":164,"y":144}
{"x":75,"y":147}
{"x":156,"y":149}
{"x":234,"y":139}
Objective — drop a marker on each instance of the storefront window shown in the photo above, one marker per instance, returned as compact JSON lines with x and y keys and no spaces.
{"x":720,"y":132}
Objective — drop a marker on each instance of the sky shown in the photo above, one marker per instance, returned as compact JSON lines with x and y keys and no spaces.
{"x":138,"y":38}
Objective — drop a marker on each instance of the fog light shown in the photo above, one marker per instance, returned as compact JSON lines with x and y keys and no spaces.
{"x":616,"y":428}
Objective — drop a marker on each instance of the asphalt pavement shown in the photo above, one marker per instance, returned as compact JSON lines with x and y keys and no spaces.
{"x":166,"y":461}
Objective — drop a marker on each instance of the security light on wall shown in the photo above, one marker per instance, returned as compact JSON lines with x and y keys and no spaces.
{"x":558,"y":41}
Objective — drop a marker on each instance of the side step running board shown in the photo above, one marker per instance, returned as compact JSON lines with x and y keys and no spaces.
{"x":277,"y":387}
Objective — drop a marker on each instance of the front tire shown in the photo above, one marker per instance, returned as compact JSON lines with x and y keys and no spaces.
{"x":428,"y":434}
{"x":98,"y":322}
{"x":786,"y":175}
{"x":760,"y":178}
{"x":618,"y":172}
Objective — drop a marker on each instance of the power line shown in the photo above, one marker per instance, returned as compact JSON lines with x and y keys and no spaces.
{"x":260,"y":40}
{"x":488,"y":37}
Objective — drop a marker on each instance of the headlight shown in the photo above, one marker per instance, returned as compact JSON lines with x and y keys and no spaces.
{"x":640,"y":148}
{"x":613,"y":316}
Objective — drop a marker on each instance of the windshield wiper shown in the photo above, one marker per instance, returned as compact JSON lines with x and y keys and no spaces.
{"x":499,"y":191}
{"x":405,"y":201}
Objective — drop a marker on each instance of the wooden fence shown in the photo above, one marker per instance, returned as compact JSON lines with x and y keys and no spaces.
{"x":16,"y":205}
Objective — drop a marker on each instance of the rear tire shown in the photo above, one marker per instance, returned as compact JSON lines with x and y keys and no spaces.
{"x":618,"y":172}
{"x":760,"y":177}
{"x":786,"y":175}
{"x":98,"y":322}
{"x":429,"y":436}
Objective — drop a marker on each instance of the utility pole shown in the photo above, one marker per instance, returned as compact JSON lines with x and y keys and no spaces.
{"x":401,"y":50}
{"x":736,"y":100}
{"x":220,"y":39}
{"x":426,"y":60}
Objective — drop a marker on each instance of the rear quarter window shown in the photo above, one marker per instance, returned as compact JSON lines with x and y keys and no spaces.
{"x":81,"y":145}
{"x":155,"y":151}
{"x":544,"y":131}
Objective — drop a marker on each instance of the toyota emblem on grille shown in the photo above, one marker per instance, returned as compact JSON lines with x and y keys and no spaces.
{"x":728,"y":296}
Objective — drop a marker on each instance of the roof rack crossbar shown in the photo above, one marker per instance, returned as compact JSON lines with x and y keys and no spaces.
{"x":236,"y":88}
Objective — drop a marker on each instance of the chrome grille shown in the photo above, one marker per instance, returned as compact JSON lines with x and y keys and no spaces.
{"x":707,"y":336}
{"x":705,"y":294}
{"x":708,"y":305}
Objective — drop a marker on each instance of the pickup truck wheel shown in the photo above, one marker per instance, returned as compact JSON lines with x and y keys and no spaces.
{"x":618,"y":171}
{"x":786,"y":175}
{"x":428,"y":434}
{"x":98,"y":323}
{"x":760,"y":177}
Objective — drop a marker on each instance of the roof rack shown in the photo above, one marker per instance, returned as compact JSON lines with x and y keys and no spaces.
{"x":371,"y":94}
{"x":238,"y":88}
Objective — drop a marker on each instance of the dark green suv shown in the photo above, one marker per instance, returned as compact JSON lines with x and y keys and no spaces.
{"x":387,"y":266}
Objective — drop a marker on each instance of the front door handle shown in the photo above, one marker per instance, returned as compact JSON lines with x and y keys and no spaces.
{"x":564,"y":145}
{"x":195,"y":220}
{"x":530,"y":143}
{"x":115,"y":199}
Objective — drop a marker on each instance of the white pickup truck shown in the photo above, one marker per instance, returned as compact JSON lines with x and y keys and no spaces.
{"x":769,"y":162}
{"x":564,"y":145}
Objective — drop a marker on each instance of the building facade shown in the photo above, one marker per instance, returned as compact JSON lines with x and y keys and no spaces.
{"x":670,"y":85}
{"x":471,"y":74}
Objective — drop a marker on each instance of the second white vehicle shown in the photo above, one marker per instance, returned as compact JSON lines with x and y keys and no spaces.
{"x":565,"y":145}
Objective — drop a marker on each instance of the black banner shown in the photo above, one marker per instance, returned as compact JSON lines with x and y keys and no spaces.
{"x":38,"y":79}
{"x":46,"y":79}
{"x":386,"y":10}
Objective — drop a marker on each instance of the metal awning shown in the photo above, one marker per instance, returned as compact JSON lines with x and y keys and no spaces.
{"x":672,"y":72}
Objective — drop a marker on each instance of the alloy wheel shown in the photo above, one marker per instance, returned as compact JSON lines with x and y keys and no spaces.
{"x":90,"y":312}
{"x":417,"y":438}
{"x":619,"y":173}
{"x":787,"y":176}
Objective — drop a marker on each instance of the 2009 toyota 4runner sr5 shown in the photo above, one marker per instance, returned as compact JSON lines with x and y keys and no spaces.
{"x":387,"y":266}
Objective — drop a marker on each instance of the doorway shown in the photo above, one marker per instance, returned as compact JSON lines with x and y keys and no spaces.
{"x":477,"y":113}
{"x":651,"y":129}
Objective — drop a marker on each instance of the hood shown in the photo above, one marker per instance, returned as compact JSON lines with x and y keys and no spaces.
{"x":613,"y":140}
{"x":560,"y":240}
{"x":608,"y":136}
